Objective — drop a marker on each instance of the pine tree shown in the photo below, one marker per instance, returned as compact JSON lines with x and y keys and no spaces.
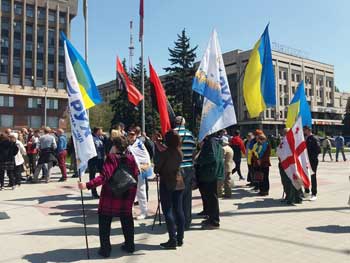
{"x":179,"y":80}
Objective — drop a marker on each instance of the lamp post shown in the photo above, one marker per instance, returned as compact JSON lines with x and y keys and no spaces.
{"x":45,"y":106}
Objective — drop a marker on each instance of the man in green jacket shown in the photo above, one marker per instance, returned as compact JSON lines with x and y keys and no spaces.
{"x":211,"y":169}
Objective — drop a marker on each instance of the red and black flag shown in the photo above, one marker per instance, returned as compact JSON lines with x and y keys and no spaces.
{"x":134,"y":95}
{"x":162,"y":101}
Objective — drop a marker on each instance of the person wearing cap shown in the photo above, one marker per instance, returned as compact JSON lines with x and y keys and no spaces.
{"x":238,"y":147}
{"x":228,"y":166}
{"x":188,"y":148}
{"x":327,"y":148}
{"x":143,"y":160}
{"x":47,"y":146}
{"x":313,"y":150}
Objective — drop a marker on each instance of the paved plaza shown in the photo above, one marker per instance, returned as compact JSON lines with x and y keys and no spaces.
{"x":44,"y":224}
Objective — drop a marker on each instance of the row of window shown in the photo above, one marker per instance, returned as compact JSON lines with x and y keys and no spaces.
{"x":7,"y":121}
{"x":32,"y":103}
{"x":30,"y":10}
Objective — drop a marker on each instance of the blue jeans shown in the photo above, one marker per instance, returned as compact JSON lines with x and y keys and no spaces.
{"x":172,"y":203}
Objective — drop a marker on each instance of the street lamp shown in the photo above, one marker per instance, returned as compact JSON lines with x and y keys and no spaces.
{"x":45,"y":106}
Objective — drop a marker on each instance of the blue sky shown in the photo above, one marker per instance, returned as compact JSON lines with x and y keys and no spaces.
{"x":320,"y":28}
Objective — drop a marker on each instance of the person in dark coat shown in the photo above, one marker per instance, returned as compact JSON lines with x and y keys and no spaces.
{"x":172,"y":189}
{"x":8,"y":152}
{"x":313,"y":150}
{"x":111,"y":206}
{"x":211,"y":170}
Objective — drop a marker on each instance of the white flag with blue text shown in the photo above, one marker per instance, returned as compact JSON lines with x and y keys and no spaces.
{"x":81,"y":132}
{"x":216,"y":117}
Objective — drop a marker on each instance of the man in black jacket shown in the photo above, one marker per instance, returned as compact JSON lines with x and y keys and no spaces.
{"x":313,"y":150}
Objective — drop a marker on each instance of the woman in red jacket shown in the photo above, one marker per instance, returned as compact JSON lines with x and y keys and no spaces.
{"x":111,"y":206}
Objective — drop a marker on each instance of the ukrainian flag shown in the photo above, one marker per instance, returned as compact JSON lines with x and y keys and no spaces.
{"x":88,"y":88}
{"x":299,"y":107}
{"x":259,"y":81}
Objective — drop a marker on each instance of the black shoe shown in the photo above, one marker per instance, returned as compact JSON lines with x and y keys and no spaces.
{"x":128,"y":248}
{"x":210,"y":226}
{"x":75,"y":176}
{"x":169,"y":245}
{"x":242,"y":178}
{"x":104,"y":252}
{"x":95,"y":196}
{"x":180,"y":243}
{"x":202,"y":213}
{"x":30,"y":179}
{"x":62,"y":179}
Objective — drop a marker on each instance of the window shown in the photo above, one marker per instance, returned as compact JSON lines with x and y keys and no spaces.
{"x":293,"y":77}
{"x":52,"y":122}
{"x":6,"y":121}
{"x":30,"y":11}
{"x":62,"y":18}
{"x":286,"y":89}
{"x":6,"y":101}
{"x":41,"y":14}
{"x":52,"y":16}
{"x":285,"y":101}
{"x":29,"y":69}
{"x":298,"y":77}
{"x":18,"y":9}
{"x":293,"y":89}
{"x":4,"y":65}
{"x":17,"y":66}
{"x":280,"y":74}
{"x":5,"y":6}
{"x":34,"y":103}
{"x":34,"y":121}
{"x":272,"y":114}
{"x":281,"y":88}
{"x":285,"y":75}
{"x":281,"y":101}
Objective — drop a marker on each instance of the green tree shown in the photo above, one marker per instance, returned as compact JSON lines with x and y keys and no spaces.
{"x":101,"y":116}
{"x":180,"y":76}
{"x":346,"y":121}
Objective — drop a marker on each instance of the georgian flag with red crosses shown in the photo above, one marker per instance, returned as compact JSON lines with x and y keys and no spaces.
{"x":293,"y":156}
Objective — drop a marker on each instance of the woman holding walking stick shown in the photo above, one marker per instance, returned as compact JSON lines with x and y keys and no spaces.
{"x":111,"y":205}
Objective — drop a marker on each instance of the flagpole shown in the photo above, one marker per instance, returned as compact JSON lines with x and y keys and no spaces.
{"x":86,"y":29}
{"x":143,"y":87}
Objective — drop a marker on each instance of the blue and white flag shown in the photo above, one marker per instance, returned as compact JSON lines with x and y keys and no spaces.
{"x":218,"y":116}
{"x":81,"y":132}
{"x":207,"y":79}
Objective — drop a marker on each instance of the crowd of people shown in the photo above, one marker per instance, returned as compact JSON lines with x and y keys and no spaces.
{"x":181,"y":164}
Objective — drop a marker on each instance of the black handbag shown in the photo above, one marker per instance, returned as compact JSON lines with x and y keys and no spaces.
{"x":121,"y":180}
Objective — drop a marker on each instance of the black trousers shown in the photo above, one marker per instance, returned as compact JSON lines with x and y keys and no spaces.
{"x":237,"y":168}
{"x":264,"y":186}
{"x":95,"y":166}
{"x":249,"y":177}
{"x":104,"y":225}
{"x":314,"y":165}
{"x":187,"y":173}
{"x":210,"y":200}
{"x":10,"y":175}
{"x":32,"y":162}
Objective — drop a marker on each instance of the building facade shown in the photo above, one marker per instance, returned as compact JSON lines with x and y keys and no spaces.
{"x":327,"y":105}
{"x":32,"y":65}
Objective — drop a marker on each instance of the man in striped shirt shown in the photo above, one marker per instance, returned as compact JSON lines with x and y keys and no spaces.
{"x":188,"y":148}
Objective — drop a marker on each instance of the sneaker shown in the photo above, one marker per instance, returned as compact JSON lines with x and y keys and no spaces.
{"x":168,"y":245}
{"x":62,"y":179}
{"x":313,"y":198}
{"x":210,"y":226}
{"x":306,"y":195}
{"x":141,"y":217}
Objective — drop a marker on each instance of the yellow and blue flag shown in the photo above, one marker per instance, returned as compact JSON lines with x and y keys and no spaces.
{"x":299,"y":107}
{"x":87,"y":86}
{"x":259,"y":82}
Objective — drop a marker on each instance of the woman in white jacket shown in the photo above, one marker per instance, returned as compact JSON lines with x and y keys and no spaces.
{"x":19,"y":160}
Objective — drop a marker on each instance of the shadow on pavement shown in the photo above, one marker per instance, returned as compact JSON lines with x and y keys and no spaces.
{"x":74,"y":255}
{"x":261,"y":203}
{"x":331,"y":229}
{"x":50,"y":198}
